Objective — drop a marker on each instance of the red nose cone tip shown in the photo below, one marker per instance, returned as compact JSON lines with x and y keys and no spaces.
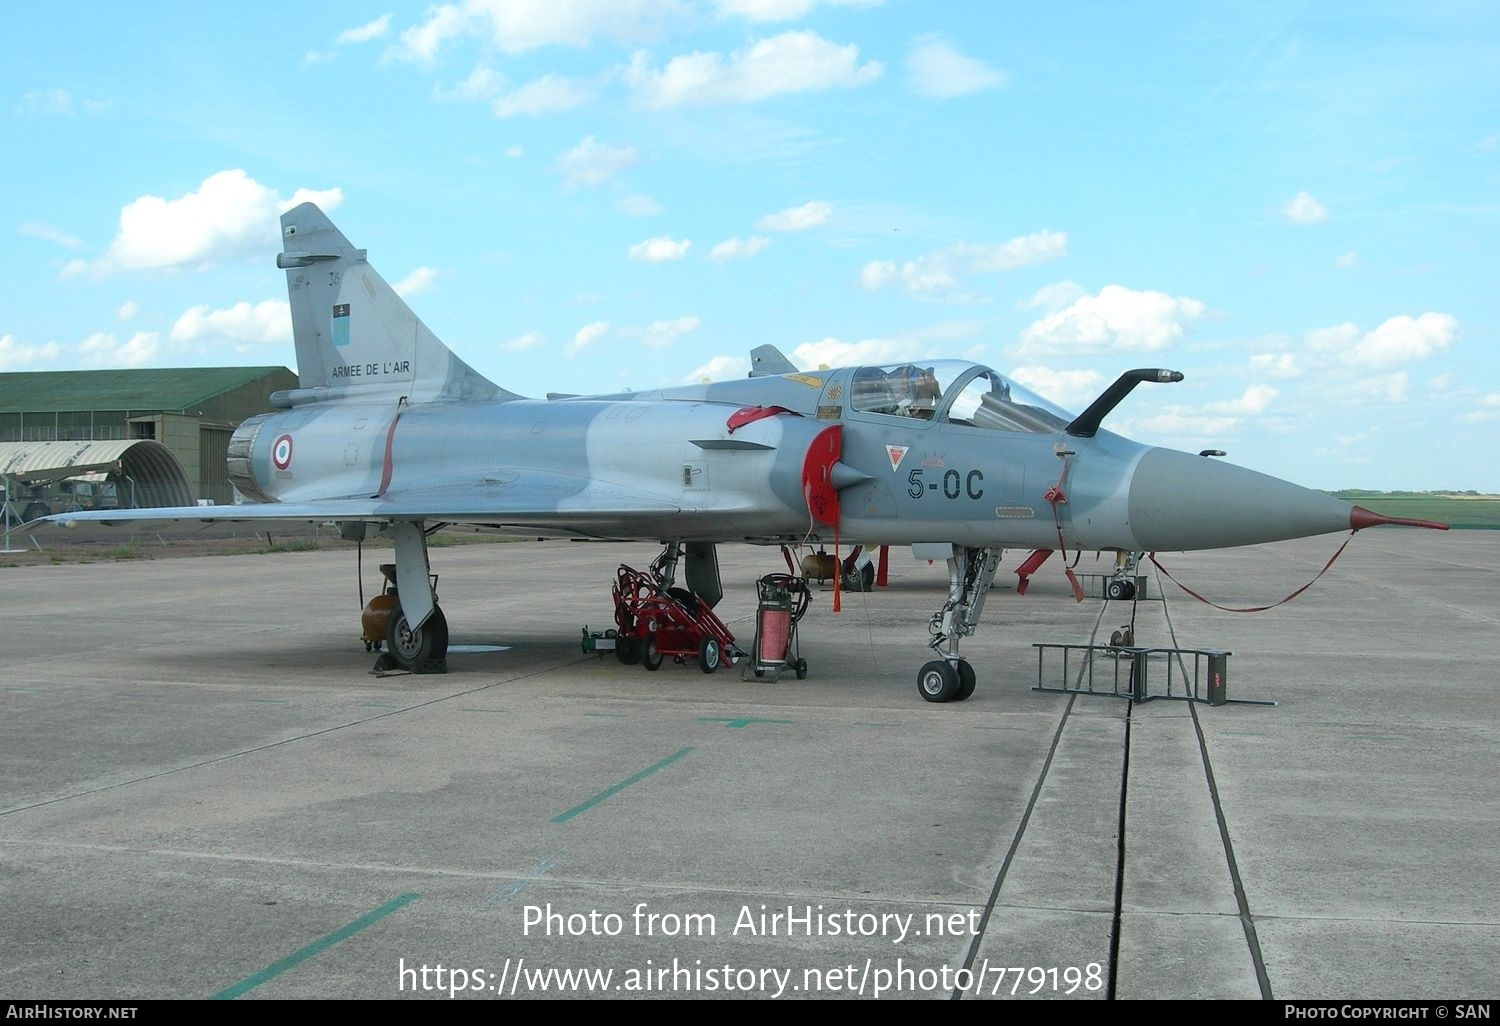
{"x":1361,"y":518}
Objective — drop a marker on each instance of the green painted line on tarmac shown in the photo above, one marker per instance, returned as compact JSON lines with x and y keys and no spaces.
{"x":296,"y":958}
{"x":612,"y":715}
{"x":737,"y":722}
{"x":610,"y":792}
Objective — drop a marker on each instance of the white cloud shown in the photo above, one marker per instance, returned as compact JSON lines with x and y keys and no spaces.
{"x":1489,"y":406}
{"x":940,"y":72}
{"x":415,"y":282}
{"x":519,"y":26}
{"x":638,"y":205}
{"x":923,"y":276}
{"x":103,"y":350}
{"x":49,"y":101}
{"x":1117,"y":319}
{"x":1340,"y":336}
{"x":1280,"y":366}
{"x":1022,"y":251}
{"x":660,"y":248}
{"x":1348,"y":259}
{"x":939,"y":272}
{"x":230,"y":215}
{"x":584,"y":337}
{"x":313,"y":58}
{"x":514,"y":152}
{"x":661,"y":334}
{"x":265,"y":323}
{"x":797,"y":219}
{"x":1303,"y":209}
{"x":832,"y":352}
{"x":1401,"y":339}
{"x":72,"y":269}
{"x":366,"y":32}
{"x":1255,"y":400}
{"x":1390,"y":388}
{"x":780,"y":10}
{"x":592,"y":162}
{"x":792,"y":62}
{"x":521,"y":342}
{"x":720,"y":368}
{"x":541,"y":96}
{"x":50,"y":234}
{"x":127,"y":310}
{"x":483,"y":83}
{"x":21,"y":356}
{"x":1068,"y":388}
{"x":1054,"y":297}
{"x":738,"y":249}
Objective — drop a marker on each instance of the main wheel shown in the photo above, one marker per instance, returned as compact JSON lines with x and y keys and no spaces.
{"x":650,"y":654}
{"x":1115,"y":590}
{"x":937,"y":681}
{"x":709,"y":655}
{"x":861,"y":578}
{"x":966,"y":681}
{"x":413,"y":647}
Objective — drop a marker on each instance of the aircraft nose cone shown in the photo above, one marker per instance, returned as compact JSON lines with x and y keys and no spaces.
{"x":1178,"y":501}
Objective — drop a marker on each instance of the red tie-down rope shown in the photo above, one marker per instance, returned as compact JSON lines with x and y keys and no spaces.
{"x":1055,"y":498}
{"x":1254,"y":609}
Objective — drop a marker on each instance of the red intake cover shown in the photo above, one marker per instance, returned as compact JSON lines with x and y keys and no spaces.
{"x":817,"y":469}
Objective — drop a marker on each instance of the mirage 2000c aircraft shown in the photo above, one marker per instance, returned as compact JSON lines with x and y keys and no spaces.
{"x":390,"y":431}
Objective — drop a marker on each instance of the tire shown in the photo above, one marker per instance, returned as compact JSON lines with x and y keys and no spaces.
{"x":1128,"y":591}
{"x":966,"y":681}
{"x":650,"y":654}
{"x":1115,"y":590}
{"x":801,"y":669}
{"x":413,"y":649}
{"x":710,"y":656}
{"x":937,"y":681}
{"x":628,"y":650}
{"x":860,"y":578}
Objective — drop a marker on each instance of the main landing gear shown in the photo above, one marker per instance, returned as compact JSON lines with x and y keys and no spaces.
{"x":407,"y":621}
{"x":970,"y":573}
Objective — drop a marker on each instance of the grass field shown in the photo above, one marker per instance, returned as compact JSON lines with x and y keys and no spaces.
{"x":1471,"y":512}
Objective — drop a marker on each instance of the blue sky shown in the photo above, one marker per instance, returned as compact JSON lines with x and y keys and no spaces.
{"x":1297,"y":205}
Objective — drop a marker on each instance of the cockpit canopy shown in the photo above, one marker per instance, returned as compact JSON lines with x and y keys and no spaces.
{"x":954,"y":392}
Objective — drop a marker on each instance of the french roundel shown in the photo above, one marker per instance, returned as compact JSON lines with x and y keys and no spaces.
{"x":281,"y":452}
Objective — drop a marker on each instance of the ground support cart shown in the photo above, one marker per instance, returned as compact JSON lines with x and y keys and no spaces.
{"x":653,"y":623}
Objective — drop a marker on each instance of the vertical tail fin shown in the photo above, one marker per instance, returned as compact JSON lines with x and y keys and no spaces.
{"x":353,"y":333}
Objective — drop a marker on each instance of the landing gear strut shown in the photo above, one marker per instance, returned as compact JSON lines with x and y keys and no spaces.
{"x":970,"y":573}
{"x":416,"y":632}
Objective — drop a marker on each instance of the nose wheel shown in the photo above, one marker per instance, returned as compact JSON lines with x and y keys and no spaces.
{"x":942,"y":681}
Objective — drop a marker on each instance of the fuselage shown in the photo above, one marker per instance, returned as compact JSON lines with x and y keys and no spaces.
{"x":948,"y":451}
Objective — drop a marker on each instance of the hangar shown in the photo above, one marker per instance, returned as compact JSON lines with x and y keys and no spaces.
{"x":119,"y":438}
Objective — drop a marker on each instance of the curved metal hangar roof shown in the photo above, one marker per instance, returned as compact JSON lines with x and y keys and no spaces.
{"x":158,"y":476}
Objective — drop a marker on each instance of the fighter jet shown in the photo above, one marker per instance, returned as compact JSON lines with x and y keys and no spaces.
{"x":390,"y":431}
